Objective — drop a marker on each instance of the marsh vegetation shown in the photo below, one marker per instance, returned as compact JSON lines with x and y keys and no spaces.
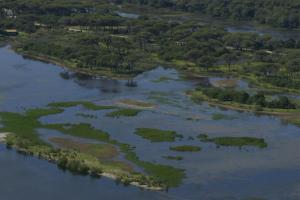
{"x":235,"y":141}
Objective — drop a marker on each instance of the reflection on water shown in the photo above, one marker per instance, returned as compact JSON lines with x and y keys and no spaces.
{"x":213,"y":173}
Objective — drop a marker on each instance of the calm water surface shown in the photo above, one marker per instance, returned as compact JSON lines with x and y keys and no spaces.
{"x":214,"y":173}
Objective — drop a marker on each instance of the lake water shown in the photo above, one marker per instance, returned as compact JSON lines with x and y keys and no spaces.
{"x":214,"y":173}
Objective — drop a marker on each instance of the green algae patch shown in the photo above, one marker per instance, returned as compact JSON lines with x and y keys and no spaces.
{"x":124,"y":112}
{"x":235,"y":141}
{"x":85,"y":104}
{"x":173,"y":157}
{"x":186,"y":148}
{"x":156,"y":135}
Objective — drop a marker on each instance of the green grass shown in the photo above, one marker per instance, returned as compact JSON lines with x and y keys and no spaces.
{"x":100,"y":151}
{"x":25,"y":125}
{"x":173,"y":158}
{"x":235,"y":141}
{"x":186,"y":148}
{"x":86,"y":104}
{"x":156,"y":135}
{"x":124,"y":112}
{"x":39,"y":112}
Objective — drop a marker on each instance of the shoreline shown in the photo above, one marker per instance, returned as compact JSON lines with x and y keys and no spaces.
{"x":136,"y":184}
{"x":102,"y":73}
{"x":3,"y":136}
{"x":287,"y":115}
{"x":62,"y":64}
{"x":65,"y":65}
{"x":186,"y":73}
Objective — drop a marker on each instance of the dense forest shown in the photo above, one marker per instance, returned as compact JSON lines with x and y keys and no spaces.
{"x":90,"y":35}
{"x":276,"y":13}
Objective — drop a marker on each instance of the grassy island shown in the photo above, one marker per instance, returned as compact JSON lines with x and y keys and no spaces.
{"x":235,"y":141}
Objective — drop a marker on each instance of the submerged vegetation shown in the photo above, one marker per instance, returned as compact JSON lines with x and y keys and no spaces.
{"x":162,"y":79}
{"x":186,"y":148}
{"x":155,"y":135}
{"x":85,"y":104}
{"x":173,"y":158}
{"x":124,"y":112}
{"x":136,"y":103}
{"x":219,"y":116}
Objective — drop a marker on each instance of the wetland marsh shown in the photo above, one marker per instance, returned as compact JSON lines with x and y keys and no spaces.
{"x":58,"y":106}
